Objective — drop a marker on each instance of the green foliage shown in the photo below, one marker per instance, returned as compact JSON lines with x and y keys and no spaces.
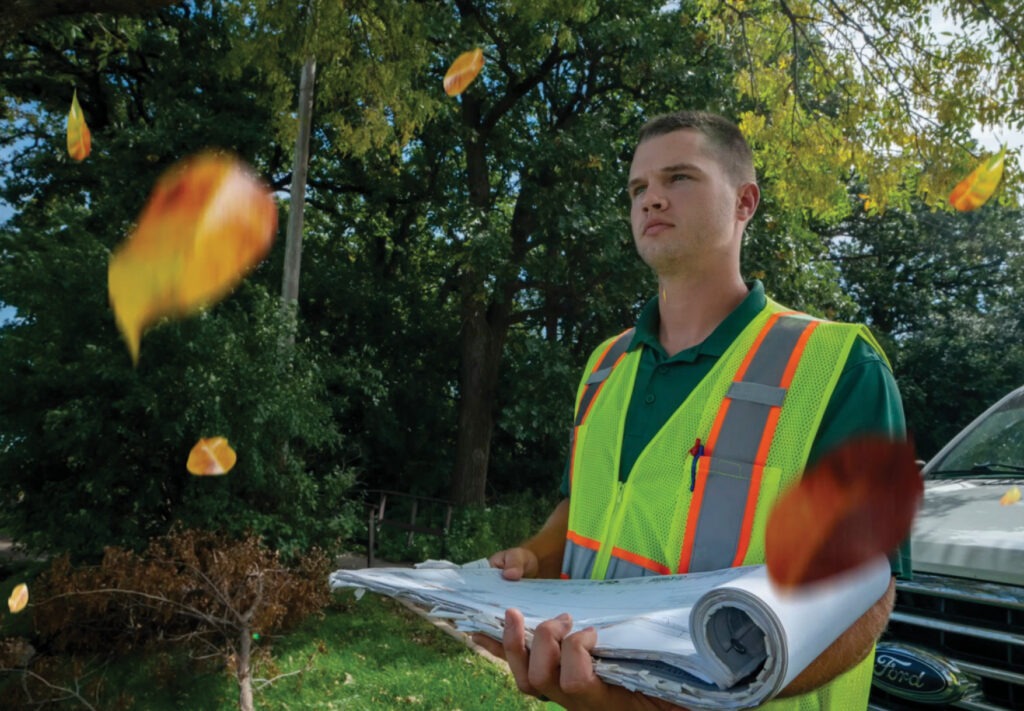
{"x":941,"y":291}
{"x":834,"y":88}
{"x":446,"y":239}
{"x":476,"y":531}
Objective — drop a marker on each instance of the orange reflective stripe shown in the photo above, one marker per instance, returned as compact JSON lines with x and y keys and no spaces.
{"x":798,"y":352}
{"x":583,"y":540}
{"x":691,"y":520}
{"x":597,"y":367}
{"x":647,"y":563}
{"x":572,"y":457}
{"x":766,"y":442}
{"x":686,"y":553}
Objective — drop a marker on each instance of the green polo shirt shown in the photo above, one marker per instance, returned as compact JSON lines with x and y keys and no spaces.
{"x":866,"y":399}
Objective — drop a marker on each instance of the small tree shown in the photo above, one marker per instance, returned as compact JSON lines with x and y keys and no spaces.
{"x":213,"y":594}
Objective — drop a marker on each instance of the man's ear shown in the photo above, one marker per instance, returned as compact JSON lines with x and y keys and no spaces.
{"x":748,"y":196}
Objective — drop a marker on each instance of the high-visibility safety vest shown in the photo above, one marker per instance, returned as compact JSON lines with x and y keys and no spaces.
{"x":699,"y":494}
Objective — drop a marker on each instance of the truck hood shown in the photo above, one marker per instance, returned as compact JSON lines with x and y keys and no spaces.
{"x":963,"y":530}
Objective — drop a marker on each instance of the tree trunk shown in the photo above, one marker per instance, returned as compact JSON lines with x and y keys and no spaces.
{"x":300,"y":166}
{"x":243,"y":669}
{"x":482,"y":340}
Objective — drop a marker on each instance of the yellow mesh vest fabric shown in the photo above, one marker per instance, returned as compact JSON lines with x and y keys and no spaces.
{"x":847,"y":692}
{"x":647,"y":515}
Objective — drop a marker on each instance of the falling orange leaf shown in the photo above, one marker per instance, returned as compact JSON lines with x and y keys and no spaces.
{"x":463,"y":71}
{"x":856,"y":503}
{"x":974,"y":191}
{"x":1010,"y":497}
{"x":211,"y":456}
{"x":208,"y":221}
{"x":18,"y":599}
{"x":79,"y":137}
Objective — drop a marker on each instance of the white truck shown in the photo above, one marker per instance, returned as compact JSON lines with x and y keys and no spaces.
{"x":956,"y":637}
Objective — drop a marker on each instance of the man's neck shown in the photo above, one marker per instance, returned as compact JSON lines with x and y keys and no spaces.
{"x":691,"y":309}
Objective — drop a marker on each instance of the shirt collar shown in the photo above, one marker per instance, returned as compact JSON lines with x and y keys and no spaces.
{"x":715,"y":344}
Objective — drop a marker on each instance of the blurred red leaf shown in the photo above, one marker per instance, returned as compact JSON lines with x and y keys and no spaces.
{"x":856,"y":503}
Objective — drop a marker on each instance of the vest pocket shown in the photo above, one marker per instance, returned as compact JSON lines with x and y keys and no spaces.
{"x":737,"y":497}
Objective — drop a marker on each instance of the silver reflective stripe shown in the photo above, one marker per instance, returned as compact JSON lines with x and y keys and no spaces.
{"x":601,"y":373}
{"x":756,"y":392}
{"x":618,"y":568}
{"x":578,"y":561}
{"x":727,"y":487}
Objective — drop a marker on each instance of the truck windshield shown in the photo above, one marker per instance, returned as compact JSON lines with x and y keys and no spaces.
{"x":993,"y":446}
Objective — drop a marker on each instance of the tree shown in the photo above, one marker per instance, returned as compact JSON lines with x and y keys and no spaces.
{"x":23,"y":14}
{"x":93,"y":450}
{"x":941,"y":290}
{"x":838,"y":89}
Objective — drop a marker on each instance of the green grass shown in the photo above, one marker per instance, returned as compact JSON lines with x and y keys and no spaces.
{"x":367,"y":654}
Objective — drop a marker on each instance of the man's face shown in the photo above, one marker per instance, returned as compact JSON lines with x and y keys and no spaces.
{"x":684,"y":207}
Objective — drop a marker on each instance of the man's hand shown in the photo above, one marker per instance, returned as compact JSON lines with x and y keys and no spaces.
{"x":559,"y":666}
{"x":515,"y":563}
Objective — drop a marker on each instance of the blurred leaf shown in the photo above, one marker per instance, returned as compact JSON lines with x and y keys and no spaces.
{"x":856,"y":503}
{"x":18,"y":599}
{"x":463,"y":71}
{"x":974,"y":191}
{"x":207,"y":222}
{"x":1010,"y":497}
{"x":79,"y":137}
{"x":211,"y":456}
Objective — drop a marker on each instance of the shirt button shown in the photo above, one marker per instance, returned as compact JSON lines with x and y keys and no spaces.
{"x":662,"y":369}
{"x":649,"y":399}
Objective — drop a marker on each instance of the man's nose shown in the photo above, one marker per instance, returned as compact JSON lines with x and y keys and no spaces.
{"x":653,"y":199}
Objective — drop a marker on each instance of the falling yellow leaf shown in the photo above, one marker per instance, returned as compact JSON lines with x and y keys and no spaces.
{"x":208,"y":221}
{"x":463,"y":71}
{"x":974,"y":191}
{"x":79,"y":137}
{"x":18,"y":599}
{"x":1010,"y":497}
{"x":869,"y":203}
{"x":211,"y":456}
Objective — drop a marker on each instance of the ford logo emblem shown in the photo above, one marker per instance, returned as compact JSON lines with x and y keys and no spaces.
{"x":918,"y":675}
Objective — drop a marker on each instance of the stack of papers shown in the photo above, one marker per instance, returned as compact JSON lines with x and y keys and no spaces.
{"x":725,"y":639}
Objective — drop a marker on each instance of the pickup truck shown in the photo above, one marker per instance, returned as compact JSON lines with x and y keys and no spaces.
{"x":956,"y":636}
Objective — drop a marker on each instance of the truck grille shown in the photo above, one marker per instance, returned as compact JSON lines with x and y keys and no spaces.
{"x":978,"y":627}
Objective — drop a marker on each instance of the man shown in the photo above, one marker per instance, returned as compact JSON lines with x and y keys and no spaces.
{"x":727,"y":398}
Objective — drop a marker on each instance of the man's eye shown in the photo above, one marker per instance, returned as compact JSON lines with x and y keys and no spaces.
{"x":636,"y":192}
{"x":680,"y":176}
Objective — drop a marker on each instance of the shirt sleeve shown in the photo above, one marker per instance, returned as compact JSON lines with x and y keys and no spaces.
{"x":866,"y":401}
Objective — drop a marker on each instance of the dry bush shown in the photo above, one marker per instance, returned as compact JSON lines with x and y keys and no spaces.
{"x":191,"y":587}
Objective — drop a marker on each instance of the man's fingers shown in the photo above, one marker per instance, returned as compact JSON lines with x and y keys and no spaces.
{"x":491,"y":645}
{"x":577,"y":673}
{"x":546,"y":655}
{"x":514,"y":645}
{"x":510,"y":561}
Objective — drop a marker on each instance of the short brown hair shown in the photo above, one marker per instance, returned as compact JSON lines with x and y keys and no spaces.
{"x":730,"y":147}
